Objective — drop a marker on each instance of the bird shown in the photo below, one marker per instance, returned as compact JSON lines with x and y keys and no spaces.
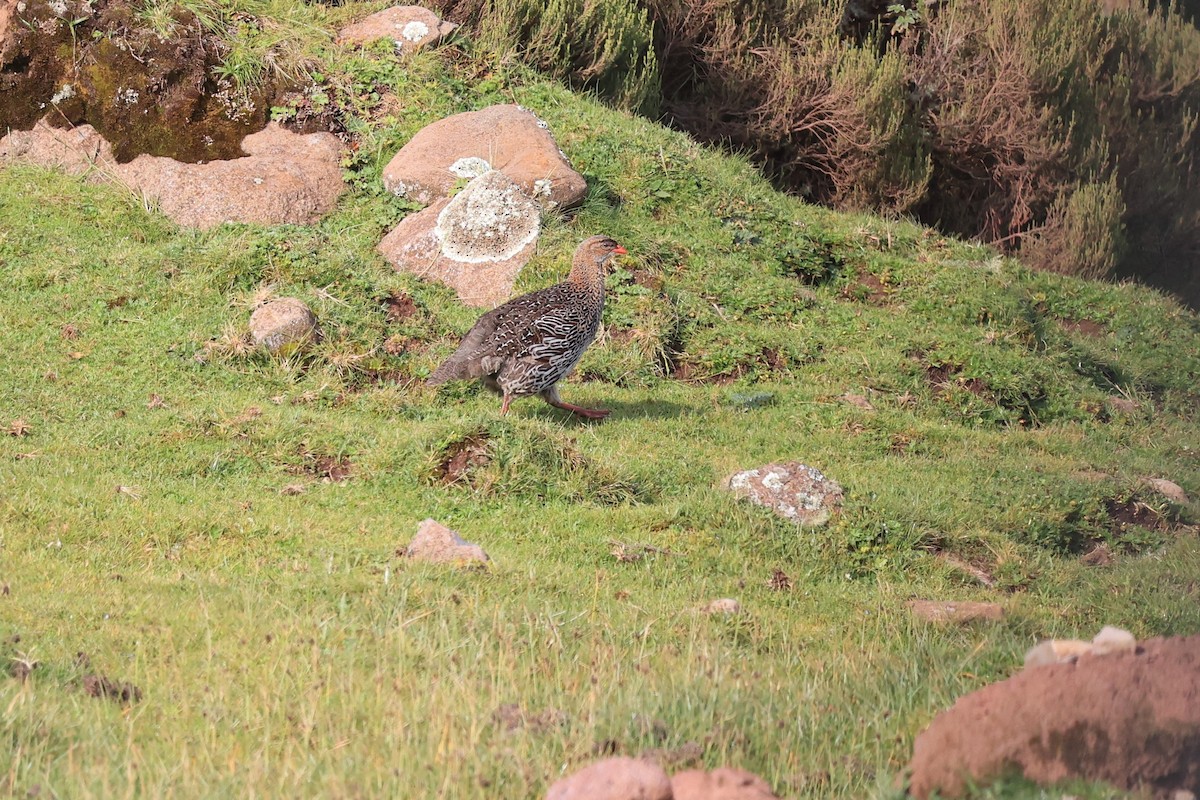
{"x":527,"y":345}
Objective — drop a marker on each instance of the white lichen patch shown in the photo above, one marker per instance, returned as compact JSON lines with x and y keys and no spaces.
{"x":58,"y":7}
{"x":490,"y":220}
{"x":542,"y":187}
{"x":470,"y":167}
{"x":66,"y":92}
{"x":415,"y":31}
{"x":127,"y":97}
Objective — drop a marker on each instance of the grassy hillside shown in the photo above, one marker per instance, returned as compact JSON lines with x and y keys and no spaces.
{"x":219,"y":528}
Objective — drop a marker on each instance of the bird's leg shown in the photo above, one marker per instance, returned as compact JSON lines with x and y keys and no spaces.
{"x":504,"y":405}
{"x":551,"y":396}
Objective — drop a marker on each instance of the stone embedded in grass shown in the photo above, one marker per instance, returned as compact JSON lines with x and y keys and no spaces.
{"x":617,"y":778}
{"x":508,"y":138}
{"x":949,"y":611}
{"x":476,"y":243}
{"x":792,"y":490}
{"x":723,"y":783}
{"x":1168,"y":489}
{"x":285,"y":177}
{"x":410,"y":27}
{"x":282,"y":322}
{"x":723,"y":605}
{"x":1130,"y":718}
{"x":436,"y":543}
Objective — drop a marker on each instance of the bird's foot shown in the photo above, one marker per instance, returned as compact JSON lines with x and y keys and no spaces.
{"x":586,"y":413}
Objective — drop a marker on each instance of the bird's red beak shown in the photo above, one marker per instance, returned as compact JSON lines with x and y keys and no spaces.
{"x":620,"y":250}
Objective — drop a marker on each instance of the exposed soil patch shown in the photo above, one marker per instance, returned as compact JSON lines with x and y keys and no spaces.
{"x":460,"y":457}
{"x":1133,"y":513}
{"x":329,"y":468}
{"x":942,"y":376}
{"x":94,"y":62}
{"x":769,"y":357}
{"x":868,"y":288}
{"x":105,"y":687}
{"x":1085,"y":327}
{"x":399,"y":306}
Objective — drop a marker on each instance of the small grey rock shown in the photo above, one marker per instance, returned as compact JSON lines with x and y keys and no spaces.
{"x":283,"y":321}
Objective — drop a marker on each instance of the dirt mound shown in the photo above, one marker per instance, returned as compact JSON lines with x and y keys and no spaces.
{"x":1130,"y":719}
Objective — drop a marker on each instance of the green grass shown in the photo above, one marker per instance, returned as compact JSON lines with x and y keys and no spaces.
{"x":283,"y":648}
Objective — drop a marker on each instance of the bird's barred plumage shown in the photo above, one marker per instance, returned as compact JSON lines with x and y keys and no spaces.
{"x":527,"y":345}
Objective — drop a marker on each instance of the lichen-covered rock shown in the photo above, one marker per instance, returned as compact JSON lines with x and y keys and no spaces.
{"x":282,"y":322}
{"x":285,"y":178}
{"x":507,"y":138}
{"x":792,"y":490}
{"x":409,"y":27}
{"x":614,"y":779}
{"x":436,"y":543}
{"x":1129,"y":718}
{"x":475,"y":243}
{"x":723,"y":783}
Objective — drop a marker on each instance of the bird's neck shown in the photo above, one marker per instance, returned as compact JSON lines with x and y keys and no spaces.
{"x":588,"y":274}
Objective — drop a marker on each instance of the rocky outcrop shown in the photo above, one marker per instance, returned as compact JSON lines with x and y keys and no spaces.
{"x":285,"y":178}
{"x":1131,"y":718}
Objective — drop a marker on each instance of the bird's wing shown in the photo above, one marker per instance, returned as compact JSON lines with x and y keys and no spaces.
{"x":505,"y":332}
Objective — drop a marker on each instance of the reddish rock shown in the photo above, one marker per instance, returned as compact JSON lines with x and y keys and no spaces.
{"x":285,"y":178}
{"x":614,"y":779}
{"x":792,"y":490}
{"x":436,"y":543}
{"x":284,"y":321}
{"x":409,"y":27}
{"x":950,"y":611}
{"x":504,"y":137}
{"x":475,"y":243}
{"x":1131,"y":719}
{"x":720,"y":784}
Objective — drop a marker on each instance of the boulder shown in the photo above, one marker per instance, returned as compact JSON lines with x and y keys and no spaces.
{"x":507,"y":138}
{"x":1130,"y":718}
{"x":283,"y":321}
{"x":720,"y":784}
{"x":614,"y":779}
{"x":792,"y":490}
{"x":475,"y":243}
{"x":285,"y":177}
{"x":409,"y":27}
{"x":436,"y":543}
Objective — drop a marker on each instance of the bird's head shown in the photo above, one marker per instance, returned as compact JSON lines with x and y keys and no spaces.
{"x":600,"y":249}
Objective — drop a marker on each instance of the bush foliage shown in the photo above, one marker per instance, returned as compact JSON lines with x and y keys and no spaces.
{"x":1064,"y":131}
